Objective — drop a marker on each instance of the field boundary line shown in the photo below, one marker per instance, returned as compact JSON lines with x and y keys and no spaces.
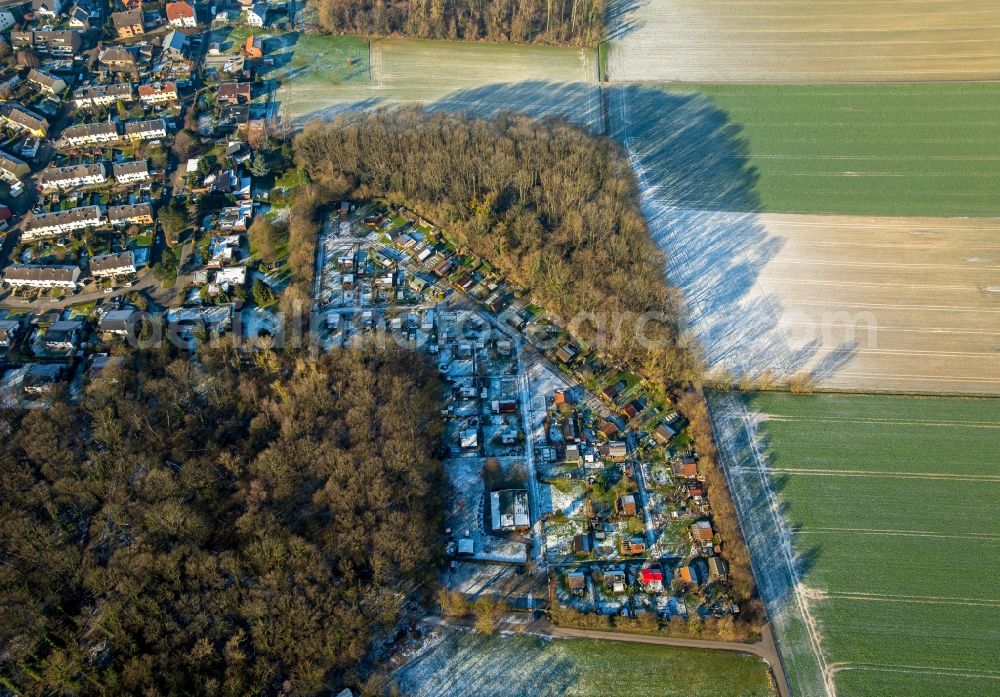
{"x":987,"y":537}
{"x":988,"y":478}
{"x":923,"y":670}
{"x":919,"y":599}
{"x":782,"y":418}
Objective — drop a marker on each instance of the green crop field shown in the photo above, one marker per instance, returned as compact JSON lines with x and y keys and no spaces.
{"x":913,"y":149}
{"x":892,"y":506}
{"x":465,"y":664}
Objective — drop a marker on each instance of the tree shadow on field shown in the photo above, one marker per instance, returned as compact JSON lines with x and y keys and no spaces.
{"x":466,"y":664}
{"x":619,"y":19}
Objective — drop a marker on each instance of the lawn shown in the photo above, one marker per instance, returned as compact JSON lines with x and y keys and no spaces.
{"x":892,"y":505}
{"x":465,"y":664}
{"x":914,"y":150}
{"x":451,"y":74}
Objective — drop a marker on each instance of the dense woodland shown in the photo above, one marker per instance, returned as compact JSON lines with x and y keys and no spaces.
{"x":576,"y":22}
{"x":212,"y":527}
{"x":552,"y":206}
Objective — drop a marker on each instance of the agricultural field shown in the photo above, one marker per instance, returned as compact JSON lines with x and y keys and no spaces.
{"x":874,"y":304}
{"x":450,"y":74}
{"x":888,"y":150}
{"x":883,"y":572}
{"x":464,"y":664}
{"x":817,"y":41}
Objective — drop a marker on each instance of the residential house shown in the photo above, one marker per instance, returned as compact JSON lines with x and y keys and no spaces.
{"x":256,"y":15}
{"x":6,"y":217}
{"x":47,"y":8}
{"x":48,"y":84}
{"x":158,"y":93}
{"x":576,"y":581}
{"x":11,"y":168}
{"x":133,"y":213}
{"x":21,"y":119}
{"x":131,"y":172}
{"x":254,"y":47}
{"x":614,"y":579}
{"x":102,"y":95}
{"x":612,"y":391}
{"x":174,"y":45}
{"x":63,"y":178}
{"x":230,"y":183}
{"x":509,"y":510}
{"x":616,"y":451}
{"x":61,"y":43}
{"x":10,"y":331}
{"x":79,"y":18}
{"x":581,"y":544}
{"x":717,"y":568}
{"x":41,"y":377}
{"x":181,"y":14}
{"x":183,"y":320}
{"x":626,"y":505}
{"x":62,"y":336}
{"x":6,"y":20}
{"x":607,"y":429}
{"x":9,"y":80}
{"x":702,"y":533}
{"x":686,"y":467}
{"x":146,"y":130}
{"x":90,"y":133}
{"x":117,"y":322}
{"x":42,"y":225}
{"x":651,"y":580}
{"x":663,"y":433}
{"x":110,"y":265}
{"x":236,"y":218}
{"x":128,"y":24}
{"x":233,"y":93}
{"x":41,"y":276}
{"x":634,"y":545}
{"x":102,"y":368}
{"x":117,"y":58}
{"x":567,"y":352}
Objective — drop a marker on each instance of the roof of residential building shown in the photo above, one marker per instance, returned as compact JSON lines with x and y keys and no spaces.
{"x":56,"y":174}
{"x":42,"y":220}
{"x":128,"y":211}
{"x":41,"y":272}
{"x":128,"y":18}
{"x":90,"y":129}
{"x":110,"y":262}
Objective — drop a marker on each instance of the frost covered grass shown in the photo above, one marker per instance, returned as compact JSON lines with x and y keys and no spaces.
{"x":464,"y":664}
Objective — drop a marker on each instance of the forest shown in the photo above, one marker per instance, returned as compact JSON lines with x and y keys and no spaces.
{"x":574,"y":22}
{"x":552,"y":206}
{"x":227,"y":525}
